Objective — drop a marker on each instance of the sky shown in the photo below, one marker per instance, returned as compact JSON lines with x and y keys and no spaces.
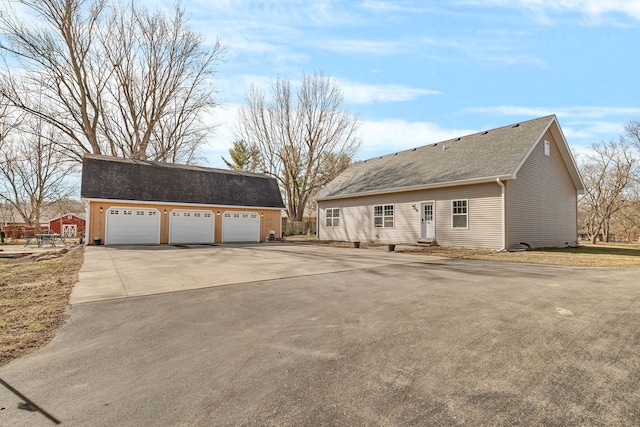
{"x":418,"y":72}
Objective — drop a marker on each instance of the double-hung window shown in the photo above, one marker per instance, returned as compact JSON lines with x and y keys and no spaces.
{"x":333,"y":217}
{"x":383,"y":216}
{"x":460,"y":214}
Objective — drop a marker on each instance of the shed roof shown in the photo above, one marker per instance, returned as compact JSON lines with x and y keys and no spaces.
{"x":479,"y":157}
{"x":114,"y":178}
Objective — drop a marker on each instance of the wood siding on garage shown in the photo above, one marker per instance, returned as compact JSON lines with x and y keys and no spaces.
{"x":542,"y":200}
{"x":356,"y":217}
{"x":270,"y":219}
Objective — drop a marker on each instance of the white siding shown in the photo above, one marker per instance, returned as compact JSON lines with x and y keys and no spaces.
{"x":542,"y":200}
{"x":356,"y":217}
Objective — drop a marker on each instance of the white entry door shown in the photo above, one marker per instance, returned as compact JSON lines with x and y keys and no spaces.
{"x":191,"y":226}
{"x":132,"y":226}
{"x":240,"y":227}
{"x":428,"y":223}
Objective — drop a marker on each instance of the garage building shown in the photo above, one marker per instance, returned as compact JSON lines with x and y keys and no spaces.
{"x":144,"y":202}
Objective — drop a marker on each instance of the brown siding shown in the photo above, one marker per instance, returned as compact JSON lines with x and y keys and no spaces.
{"x":270,"y":219}
{"x":541,"y":201}
{"x":356,"y":217}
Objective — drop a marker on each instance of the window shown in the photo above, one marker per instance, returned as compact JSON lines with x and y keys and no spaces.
{"x":459,"y":214}
{"x":333,"y":217}
{"x":383,"y":216}
{"x":547,"y":148}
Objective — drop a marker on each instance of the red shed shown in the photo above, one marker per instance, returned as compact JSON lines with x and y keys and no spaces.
{"x":69,"y":225}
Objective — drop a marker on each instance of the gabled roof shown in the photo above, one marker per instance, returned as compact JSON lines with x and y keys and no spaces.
{"x":116,"y":178}
{"x":81,"y":215}
{"x":476,"y":158}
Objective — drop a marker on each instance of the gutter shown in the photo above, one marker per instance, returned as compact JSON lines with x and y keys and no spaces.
{"x":504,"y":216}
{"x":385,"y":191}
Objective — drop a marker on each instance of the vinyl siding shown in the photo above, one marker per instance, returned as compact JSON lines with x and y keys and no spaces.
{"x":542,"y":200}
{"x":356,"y":217}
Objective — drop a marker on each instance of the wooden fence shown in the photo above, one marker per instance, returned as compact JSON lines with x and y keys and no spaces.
{"x":296,"y":228}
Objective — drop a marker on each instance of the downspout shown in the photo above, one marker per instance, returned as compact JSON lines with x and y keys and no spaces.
{"x":317,"y":220}
{"x":504,"y":217}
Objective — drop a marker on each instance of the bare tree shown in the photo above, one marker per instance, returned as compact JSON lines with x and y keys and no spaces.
{"x":113,"y":77}
{"x":299,"y":135}
{"x":607,"y":175}
{"x":33,"y":171}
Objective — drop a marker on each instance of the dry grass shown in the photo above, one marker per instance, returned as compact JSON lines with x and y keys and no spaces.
{"x":33,"y":297}
{"x":587,"y":255}
{"x":584,"y":256}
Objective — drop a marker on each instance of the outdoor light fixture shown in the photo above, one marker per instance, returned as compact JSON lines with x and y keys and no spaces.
{"x":100,"y":209}
{"x":218,"y":212}
{"x":165,"y":211}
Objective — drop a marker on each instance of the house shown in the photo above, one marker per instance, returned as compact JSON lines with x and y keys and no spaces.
{"x":144,"y":202}
{"x":69,"y":225}
{"x":506,"y":188}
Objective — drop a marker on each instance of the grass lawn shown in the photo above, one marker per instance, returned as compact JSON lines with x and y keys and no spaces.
{"x":34,"y":295}
{"x":586,"y":255}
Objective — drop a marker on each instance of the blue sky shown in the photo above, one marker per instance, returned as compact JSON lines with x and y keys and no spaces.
{"x":418,"y":72}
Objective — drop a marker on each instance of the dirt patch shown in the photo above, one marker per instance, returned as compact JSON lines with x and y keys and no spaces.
{"x":34,"y":294}
{"x":586,"y":255}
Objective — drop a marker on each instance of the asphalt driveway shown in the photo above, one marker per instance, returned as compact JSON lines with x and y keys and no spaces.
{"x":400,"y":340}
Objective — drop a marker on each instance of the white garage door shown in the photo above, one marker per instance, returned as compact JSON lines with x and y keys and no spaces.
{"x":240,"y":227}
{"x":191,"y":226}
{"x":132,"y":226}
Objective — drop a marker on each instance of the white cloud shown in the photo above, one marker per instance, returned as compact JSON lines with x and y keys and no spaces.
{"x":389,"y":136}
{"x":562,"y":112}
{"x":360,"y":46}
{"x":592,"y":129}
{"x":224,"y":117}
{"x":358,"y":93}
{"x":394,"y":6}
{"x":595,"y":10}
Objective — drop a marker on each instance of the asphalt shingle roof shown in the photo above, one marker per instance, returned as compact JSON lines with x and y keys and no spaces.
{"x":494,"y":153}
{"x":115,"y":178}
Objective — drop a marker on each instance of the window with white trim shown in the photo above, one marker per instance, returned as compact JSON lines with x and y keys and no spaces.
{"x":332,"y":216}
{"x":459,"y":214}
{"x":547,"y":148}
{"x":383,"y":216}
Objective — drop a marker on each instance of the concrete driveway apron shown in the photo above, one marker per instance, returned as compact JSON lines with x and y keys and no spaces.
{"x":111,"y":272}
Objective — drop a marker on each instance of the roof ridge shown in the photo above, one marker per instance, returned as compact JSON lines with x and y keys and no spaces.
{"x":458,"y":138}
{"x":172,"y":165}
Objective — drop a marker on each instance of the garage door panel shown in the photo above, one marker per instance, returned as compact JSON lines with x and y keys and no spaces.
{"x":132,"y":226}
{"x":241,"y":227}
{"x":191,"y":226}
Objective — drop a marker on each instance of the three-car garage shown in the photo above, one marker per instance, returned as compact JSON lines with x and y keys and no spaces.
{"x":139,"y":225}
{"x":134,"y":201}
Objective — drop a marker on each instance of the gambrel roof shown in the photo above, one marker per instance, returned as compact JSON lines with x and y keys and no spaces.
{"x":476,"y":158}
{"x":114,"y":178}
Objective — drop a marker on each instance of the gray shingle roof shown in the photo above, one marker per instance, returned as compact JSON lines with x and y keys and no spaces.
{"x":114,"y":178}
{"x":489,"y":154}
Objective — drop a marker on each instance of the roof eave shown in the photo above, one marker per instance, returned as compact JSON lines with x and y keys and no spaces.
{"x":484,"y":180}
{"x":151,"y":202}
